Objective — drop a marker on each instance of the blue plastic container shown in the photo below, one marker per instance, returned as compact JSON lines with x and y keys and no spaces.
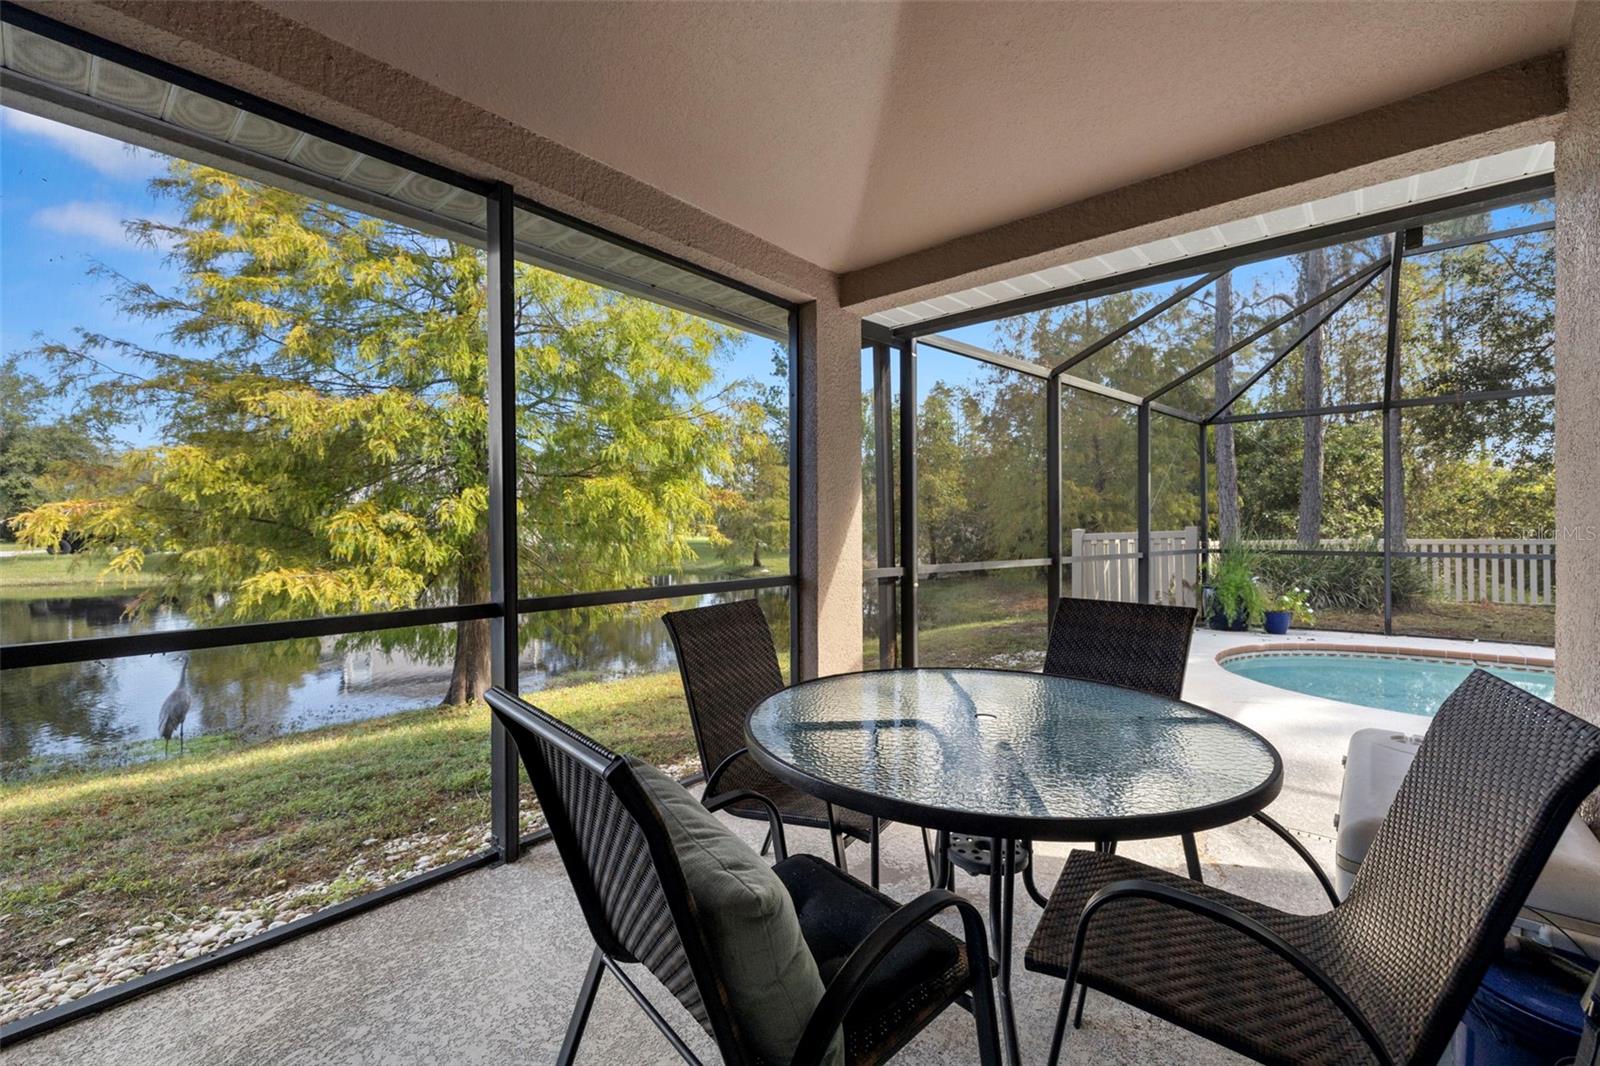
{"x":1524,"y":1014}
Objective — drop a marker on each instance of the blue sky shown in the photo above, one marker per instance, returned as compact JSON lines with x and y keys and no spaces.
{"x":64,"y":194}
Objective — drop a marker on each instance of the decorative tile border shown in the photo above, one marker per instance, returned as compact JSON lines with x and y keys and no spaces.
{"x":1447,"y":656}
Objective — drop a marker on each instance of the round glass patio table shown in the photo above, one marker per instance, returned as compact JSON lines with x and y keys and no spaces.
{"x":1021,"y":756}
{"x":1013,"y":756}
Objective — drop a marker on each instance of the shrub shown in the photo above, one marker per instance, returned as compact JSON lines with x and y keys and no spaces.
{"x":1234,"y":590}
{"x":1346,"y":582}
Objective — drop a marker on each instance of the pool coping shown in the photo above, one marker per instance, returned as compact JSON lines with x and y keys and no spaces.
{"x":1321,"y":647}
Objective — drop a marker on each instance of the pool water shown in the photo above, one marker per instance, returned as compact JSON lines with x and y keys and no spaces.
{"x":1411,"y":684}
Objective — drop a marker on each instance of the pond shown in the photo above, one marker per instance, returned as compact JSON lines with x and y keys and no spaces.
{"x":107,"y":712}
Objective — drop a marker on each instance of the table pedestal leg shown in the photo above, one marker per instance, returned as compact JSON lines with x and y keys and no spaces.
{"x":1002,"y":886}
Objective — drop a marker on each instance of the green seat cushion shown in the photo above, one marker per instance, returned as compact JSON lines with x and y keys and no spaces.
{"x":751,"y":925}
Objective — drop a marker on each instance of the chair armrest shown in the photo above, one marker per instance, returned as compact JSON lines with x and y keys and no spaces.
{"x":847,"y":984}
{"x":721,"y":768}
{"x":1221,"y":913}
{"x":1300,"y":850}
{"x":780,"y":847}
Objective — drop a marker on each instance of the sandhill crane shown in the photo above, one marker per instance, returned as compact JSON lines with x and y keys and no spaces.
{"x":174,"y":709}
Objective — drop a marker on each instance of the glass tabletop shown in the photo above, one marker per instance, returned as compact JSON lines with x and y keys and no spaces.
{"x":1003,"y":753}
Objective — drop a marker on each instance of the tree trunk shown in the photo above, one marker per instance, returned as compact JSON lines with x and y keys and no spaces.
{"x":755,"y":557}
{"x":469,"y":676}
{"x":1395,"y":492}
{"x":1313,"y":279}
{"x":1222,"y":377}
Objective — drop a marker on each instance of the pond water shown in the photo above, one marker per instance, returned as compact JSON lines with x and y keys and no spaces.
{"x":107,"y":712}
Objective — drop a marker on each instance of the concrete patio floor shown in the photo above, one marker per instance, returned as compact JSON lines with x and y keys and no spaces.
{"x":483,"y":969}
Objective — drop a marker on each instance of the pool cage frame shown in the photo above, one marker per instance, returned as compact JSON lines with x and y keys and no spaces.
{"x":897,"y":561}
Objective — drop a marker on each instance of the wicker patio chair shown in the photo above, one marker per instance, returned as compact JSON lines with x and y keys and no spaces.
{"x":729,"y":664}
{"x":888,"y":970}
{"x":1142,"y":646}
{"x":1386,"y":974}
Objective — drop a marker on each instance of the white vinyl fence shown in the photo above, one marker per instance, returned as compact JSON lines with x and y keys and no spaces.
{"x":1482,"y":575}
{"x":1105,"y":566}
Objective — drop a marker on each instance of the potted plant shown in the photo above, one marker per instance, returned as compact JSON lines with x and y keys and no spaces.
{"x":1237,"y":601}
{"x":1294,"y":606}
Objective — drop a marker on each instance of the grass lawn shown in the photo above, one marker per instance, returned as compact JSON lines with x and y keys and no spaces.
{"x":79,"y":575}
{"x":85,"y":855}
{"x":994,"y":620}
{"x":709,"y":564}
{"x":62,"y":575}
{"x":1461,"y":621}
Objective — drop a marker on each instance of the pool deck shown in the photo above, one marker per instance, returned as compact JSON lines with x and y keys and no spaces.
{"x":482,"y":969}
{"x":1310,"y":732}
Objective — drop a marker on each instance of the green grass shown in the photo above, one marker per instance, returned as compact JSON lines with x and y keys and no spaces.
{"x":994,"y":620}
{"x":85,"y":854}
{"x":63,"y":575}
{"x":709,"y":564}
{"x":1460,"y":621}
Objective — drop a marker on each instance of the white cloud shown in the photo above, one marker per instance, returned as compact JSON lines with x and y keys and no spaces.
{"x":110,"y":157}
{"x":98,"y":221}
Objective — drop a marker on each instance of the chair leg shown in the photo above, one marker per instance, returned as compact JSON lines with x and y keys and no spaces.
{"x":1083,"y":997}
{"x":983,"y":1016}
{"x":766,"y":844}
{"x":877,"y":831}
{"x":1061,"y":1025}
{"x":927,"y":856}
{"x":580,"y":1012}
{"x":944,"y":871}
{"x":1030,"y":884}
{"x":1191,"y":855}
{"x":837,"y":840}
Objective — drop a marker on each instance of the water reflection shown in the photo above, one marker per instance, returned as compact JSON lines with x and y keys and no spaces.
{"x":108,"y":711}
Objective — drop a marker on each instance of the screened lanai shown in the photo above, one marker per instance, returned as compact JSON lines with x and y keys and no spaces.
{"x":508,"y":561}
{"x":1354,"y":401}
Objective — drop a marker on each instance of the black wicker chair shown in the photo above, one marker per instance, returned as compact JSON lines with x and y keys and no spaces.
{"x":888,"y":969}
{"x":729,"y":664}
{"x":1142,"y":646}
{"x":1386,"y":975}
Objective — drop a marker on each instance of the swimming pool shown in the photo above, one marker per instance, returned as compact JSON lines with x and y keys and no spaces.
{"x":1411,"y":684}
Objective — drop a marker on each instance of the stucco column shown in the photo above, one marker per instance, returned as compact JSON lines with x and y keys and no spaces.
{"x":1578,"y":376}
{"x":829,"y":354}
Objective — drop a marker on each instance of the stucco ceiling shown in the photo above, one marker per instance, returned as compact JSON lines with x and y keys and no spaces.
{"x":850,"y":133}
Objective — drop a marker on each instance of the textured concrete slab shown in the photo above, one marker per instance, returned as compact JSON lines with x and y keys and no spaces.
{"x":483,"y":969}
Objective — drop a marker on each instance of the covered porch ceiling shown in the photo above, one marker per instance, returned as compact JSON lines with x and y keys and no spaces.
{"x":853,"y":134}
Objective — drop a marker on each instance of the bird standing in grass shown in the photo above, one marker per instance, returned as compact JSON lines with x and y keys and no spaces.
{"x":174,"y":709}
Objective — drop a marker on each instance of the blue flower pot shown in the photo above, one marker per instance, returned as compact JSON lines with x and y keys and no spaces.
{"x":1277,"y":622}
